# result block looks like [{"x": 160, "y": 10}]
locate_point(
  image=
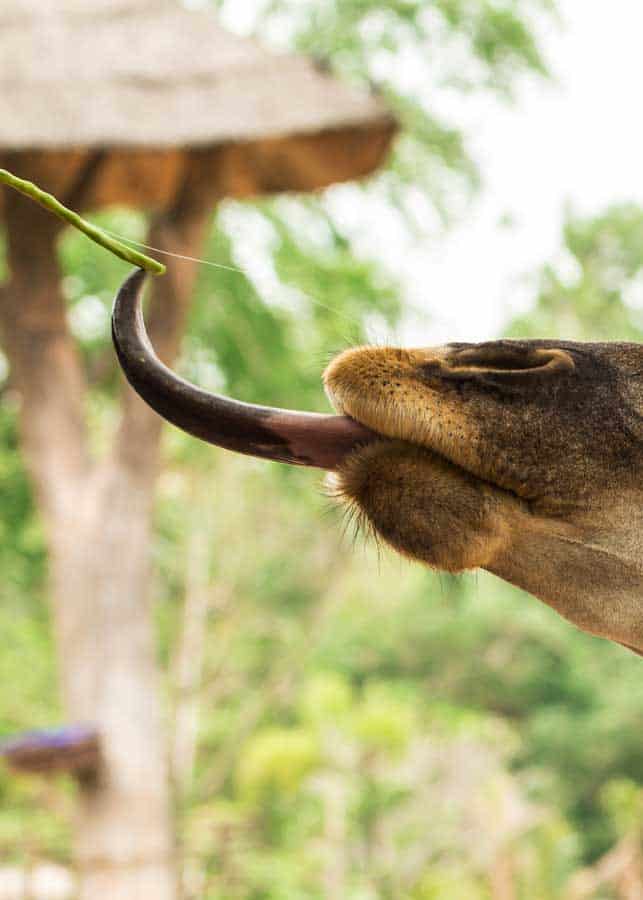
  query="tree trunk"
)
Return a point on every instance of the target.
[
  {"x": 199, "y": 598},
  {"x": 335, "y": 802},
  {"x": 124, "y": 836},
  {"x": 98, "y": 524},
  {"x": 502, "y": 879}
]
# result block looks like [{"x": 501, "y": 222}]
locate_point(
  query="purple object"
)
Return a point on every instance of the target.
[{"x": 72, "y": 748}]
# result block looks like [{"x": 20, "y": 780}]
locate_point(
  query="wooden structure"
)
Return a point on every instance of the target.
[
  {"x": 138, "y": 102},
  {"x": 131, "y": 91}
]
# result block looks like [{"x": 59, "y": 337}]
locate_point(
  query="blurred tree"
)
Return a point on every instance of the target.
[
  {"x": 621, "y": 869},
  {"x": 594, "y": 290},
  {"x": 421, "y": 54}
]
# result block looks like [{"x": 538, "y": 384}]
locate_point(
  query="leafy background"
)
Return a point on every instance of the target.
[{"x": 356, "y": 726}]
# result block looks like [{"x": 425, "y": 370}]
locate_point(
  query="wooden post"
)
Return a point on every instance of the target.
[{"x": 98, "y": 524}]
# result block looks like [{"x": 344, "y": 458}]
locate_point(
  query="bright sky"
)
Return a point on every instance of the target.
[{"x": 578, "y": 141}]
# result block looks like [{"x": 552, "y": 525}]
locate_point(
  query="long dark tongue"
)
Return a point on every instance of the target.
[{"x": 298, "y": 438}]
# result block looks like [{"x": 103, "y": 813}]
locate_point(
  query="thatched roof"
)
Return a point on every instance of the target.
[{"x": 153, "y": 74}]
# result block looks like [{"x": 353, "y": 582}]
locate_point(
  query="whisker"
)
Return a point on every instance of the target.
[{"x": 355, "y": 322}]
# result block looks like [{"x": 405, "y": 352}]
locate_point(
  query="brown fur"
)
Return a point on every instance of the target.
[{"x": 521, "y": 457}]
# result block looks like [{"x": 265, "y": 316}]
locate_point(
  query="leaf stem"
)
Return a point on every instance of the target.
[{"x": 92, "y": 231}]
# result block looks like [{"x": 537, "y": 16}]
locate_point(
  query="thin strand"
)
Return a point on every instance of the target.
[
  {"x": 208, "y": 262},
  {"x": 203, "y": 262}
]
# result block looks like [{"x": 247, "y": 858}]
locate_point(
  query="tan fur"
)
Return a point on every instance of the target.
[{"x": 521, "y": 457}]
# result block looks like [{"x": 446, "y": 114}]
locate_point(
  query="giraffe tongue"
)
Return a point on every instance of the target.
[{"x": 298, "y": 438}]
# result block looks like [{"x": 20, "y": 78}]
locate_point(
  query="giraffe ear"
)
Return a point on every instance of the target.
[{"x": 506, "y": 360}]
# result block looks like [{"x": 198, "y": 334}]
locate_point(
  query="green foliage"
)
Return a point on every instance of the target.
[
  {"x": 445, "y": 882},
  {"x": 34, "y": 822},
  {"x": 623, "y": 801},
  {"x": 22, "y": 550},
  {"x": 276, "y": 760},
  {"x": 384, "y": 722},
  {"x": 360, "y": 719},
  {"x": 594, "y": 291},
  {"x": 326, "y": 696}
]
